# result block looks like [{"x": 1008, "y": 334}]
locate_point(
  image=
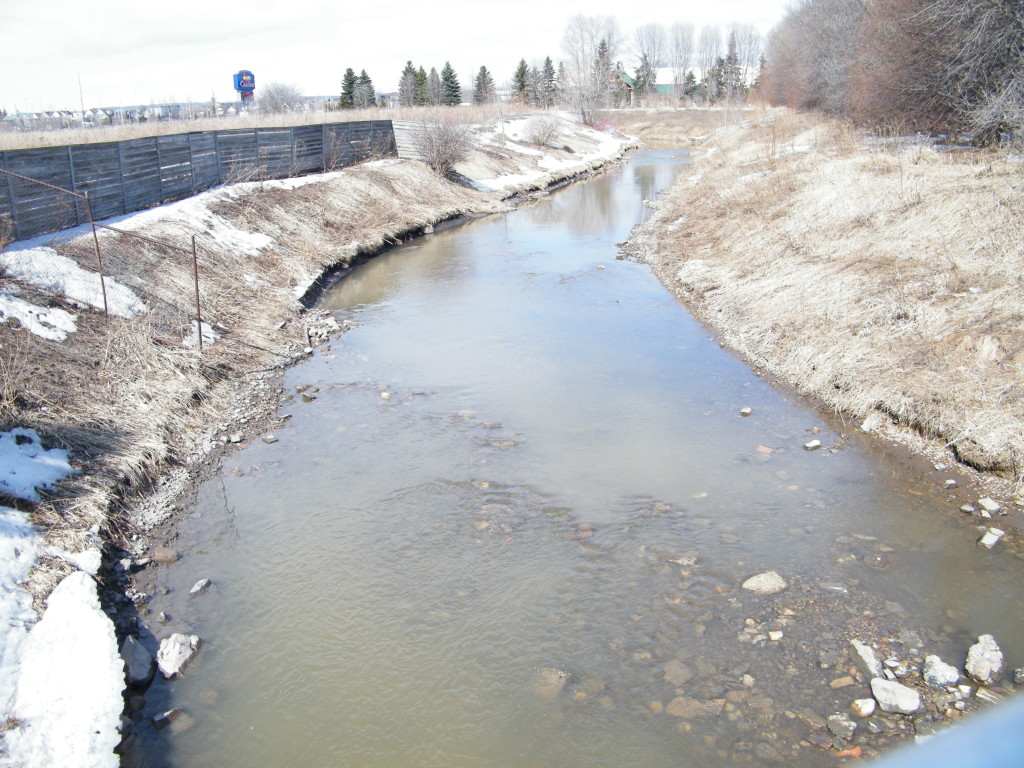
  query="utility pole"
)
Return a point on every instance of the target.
[{"x": 81, "y": 99}]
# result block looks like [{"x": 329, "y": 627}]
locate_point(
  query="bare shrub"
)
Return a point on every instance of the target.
[
  {"x": 443, "y": 144},
  {"x": 280, "y": 97},
  {"x": 541, "y": 130}
]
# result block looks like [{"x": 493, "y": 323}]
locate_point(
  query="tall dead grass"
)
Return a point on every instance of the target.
[{"x": 875, "y": 275}]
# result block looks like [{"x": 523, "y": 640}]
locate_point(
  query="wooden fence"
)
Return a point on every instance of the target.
[{"x": 124, "y": 176}]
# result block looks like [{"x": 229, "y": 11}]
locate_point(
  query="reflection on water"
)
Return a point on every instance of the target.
[{"x": 527, "y": 456}]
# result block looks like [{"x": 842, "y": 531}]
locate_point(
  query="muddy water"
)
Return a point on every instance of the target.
[{"x": 527, "y": 455}]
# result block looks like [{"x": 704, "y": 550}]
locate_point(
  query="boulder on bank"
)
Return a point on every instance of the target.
[
  {"x": 138, "y": 662},
  {"x": 939, "y": 674}
]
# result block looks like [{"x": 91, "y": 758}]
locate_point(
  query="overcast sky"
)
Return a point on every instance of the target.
[{"x": 136, "y": 52}]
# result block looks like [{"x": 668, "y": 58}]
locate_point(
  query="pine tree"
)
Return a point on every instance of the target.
[
  {"x": 365, "y": 95},
  {"x": 733, "y": 86},
  {"x": 451, "y": 91},
  {"x": 521, "y": 83},
  {"x": 433, "y": 88},
  {"x": 548, "y": 87},
  {"x": 348, "y": 89},
  {"x": 483, "y": 87},
  {"x": 407, "y": 86},
  {"x": 422, "y": 99}
]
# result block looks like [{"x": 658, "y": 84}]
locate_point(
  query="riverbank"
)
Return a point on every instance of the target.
[
  {"x": 142, "y": 415},
  {"x": 881, "y": 277}
]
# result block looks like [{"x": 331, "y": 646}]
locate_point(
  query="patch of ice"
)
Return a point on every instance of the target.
[
  {"x": 49, "y": 323},
  {"x": 68, "y": 698},
  {"x": 209, "y": 336},
  {"x": 25, "y": 465},
  {"x": 45, "y": 268}
]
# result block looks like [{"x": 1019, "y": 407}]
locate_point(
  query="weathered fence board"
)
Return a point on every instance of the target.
[{"x": 124, "y": 176}]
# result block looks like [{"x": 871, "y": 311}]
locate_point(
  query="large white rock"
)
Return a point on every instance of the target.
[
  {"x": 939, "y": 674},
  {"x": 984, "y": 661},
  {"x": 175, "y": 652},
  {"x": 894, "y": 697},
  {"x": 767, "y": 583}
]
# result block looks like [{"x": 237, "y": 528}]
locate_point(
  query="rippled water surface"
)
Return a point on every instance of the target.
[{"x": 527, "y": 455}]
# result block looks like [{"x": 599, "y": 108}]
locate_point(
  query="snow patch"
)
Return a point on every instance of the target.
[
  {"x": 68, "y": 697},
  {"x": 18, "y": 545},
  {"x": 45, "y": 268},
  {"x": 49, "y": 323},
  {"x": 25, "y": 465},
  {"x": 209, "y": 336}
]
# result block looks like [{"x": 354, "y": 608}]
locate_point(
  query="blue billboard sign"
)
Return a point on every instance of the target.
[{"x": 245, "y": 81}]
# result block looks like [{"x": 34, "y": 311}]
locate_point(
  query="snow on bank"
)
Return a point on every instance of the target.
[
  {"x": 61, "y": 678},
  {"x": 49, "y": 323},
  {"x": 45, "y": 268}
]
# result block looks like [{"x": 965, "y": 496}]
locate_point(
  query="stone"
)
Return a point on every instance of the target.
[
  {"x": 873, "y": 422},
  {"x": 863, "y": 707},
  {"x": 895, "y": 697},
  {"x": 841, "y": 682},
  {"x": 677, "y": 673},
  {"x": 1018, "y": 675},
  {"x": 199, "y": 587},
  {"x": 163, "y": 556},
  {"x": 984, "y": 661},
  {"x": 175, "y": 652},
  {"x": 813, "y": 445},
  {"x": 939, "y": 674},
  {"x": 689, "y": 709},
  {"x": 989, "y": 505},
  {"x": 866, "y": 660},
  {"x": 841, "y": 725},
  {"x": 968, "y": 508},
  {"x": 775, "y": 635},
  {"x": 747, "y": 411},
  {"x": 164, "y": 719},
  {"x": 991, "y": 538},
  {"x": 767, "y": 583},
  {"x": 138, "y": 662},
  {"x": 270, "y": 438},
  {"x": 548, "y": 682},
  {"x": 235, "y": 438}
]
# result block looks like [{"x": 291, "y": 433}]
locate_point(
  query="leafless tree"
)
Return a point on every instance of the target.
[
  {"x": 680, "y": 53},
  {"x": 280, "y": 97},
  {"x": 709, "y": 50},
  {"x": 748, "y": 50},
  {"x": 590, "y": 44}
]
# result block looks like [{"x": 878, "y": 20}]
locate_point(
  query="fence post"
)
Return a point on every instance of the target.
[
  {"x": 99, "y": 259},
  {"x": 10, "y": 193},
  {"x": 195, "y": 274}
]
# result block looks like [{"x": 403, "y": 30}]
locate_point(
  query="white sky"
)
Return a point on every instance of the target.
[{"x": 145, "y": 52}]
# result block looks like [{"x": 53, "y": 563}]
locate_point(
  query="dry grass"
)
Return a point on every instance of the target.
[
  {"x": 679, "y": 127},
  {"x": 481, "y": 113},
  {"x": 877, "y": 276}
]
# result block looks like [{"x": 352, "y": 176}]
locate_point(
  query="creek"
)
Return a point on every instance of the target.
[{"x": 528, "y": 456}]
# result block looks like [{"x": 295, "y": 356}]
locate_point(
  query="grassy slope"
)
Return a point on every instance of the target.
[{"x": 876, "y": 276}]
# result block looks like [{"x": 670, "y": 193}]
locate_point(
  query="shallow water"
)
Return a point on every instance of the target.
[{"x": 527, "y": 454}]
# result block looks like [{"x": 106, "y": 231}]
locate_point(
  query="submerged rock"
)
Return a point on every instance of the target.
[
  {"x": 991, "y": 538},
  {"x": 200, "y": 586},
  {"x": 548, "y": 682},
  {"x": 895, "y": 697},
  {"x": 984, "y": 661},
  {"x": 175, "y": 652},
  {"x": 677, "y": 673},
  {"x": 767, "y": 583},
  {"x": 841, "y": 725},
  {"x": 689, "y": 709}
]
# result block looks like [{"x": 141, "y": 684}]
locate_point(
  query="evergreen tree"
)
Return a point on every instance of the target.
[
  {"x": 732, "y": 84},
  {"x": 521, "y": 83},
  {"x": 433, "y": 88},
  {"x": 562, "y": 83},
  {"x": 348, "y": 89},
  {"x": 603, "y": 70},
  {"x": 533, "y": 88},
  {"x": 422, "y": 99},
  {"x": 364, "y": 95},
  {"x": 483, "y": 87},
  {"x": 646, "y": 79},
  {"x": 548, "y": 86},
  {"x": 407, "y": 86},
  {"x": 451, "y": 91}
]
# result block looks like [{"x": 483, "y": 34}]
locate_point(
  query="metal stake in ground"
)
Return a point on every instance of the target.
[
  {"x": 195, "y": 273},
  {"x": 99, "y": 259}
]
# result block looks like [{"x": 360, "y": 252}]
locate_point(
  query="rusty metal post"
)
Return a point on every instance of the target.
[
  {"x": 195, "y": 274},
  {"x": 99, "y": 258}
]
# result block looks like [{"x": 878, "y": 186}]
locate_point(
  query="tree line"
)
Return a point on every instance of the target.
[{"x": 938, "y": 66}]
